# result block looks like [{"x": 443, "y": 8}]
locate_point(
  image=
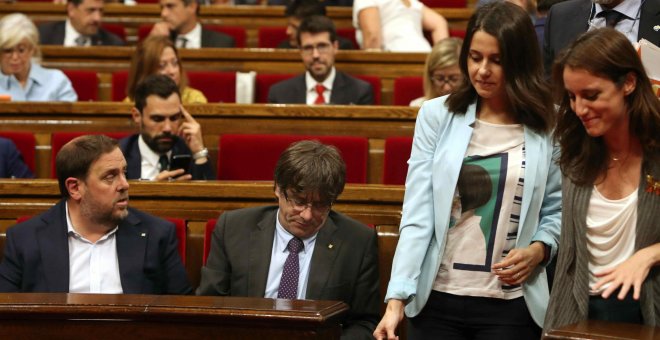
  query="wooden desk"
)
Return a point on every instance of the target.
[
  {"x": 373, "y": 122},
  {"x": 99, "y": 316},
  {"x": 598, "y": 330}
]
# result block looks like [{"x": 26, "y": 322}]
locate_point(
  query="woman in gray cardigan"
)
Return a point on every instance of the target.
[{"x": 609, "y": 252}]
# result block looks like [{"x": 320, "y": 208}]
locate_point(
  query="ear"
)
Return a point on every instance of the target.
[
  {"x": 630, "y": 83},
  {"x": 137, "y": 116},
  {"x": 74, "y": 187},
  {"x": 335, "y": 44},
  {"x": 278, "y": 192},
  {"x": 69, "y": 7}
]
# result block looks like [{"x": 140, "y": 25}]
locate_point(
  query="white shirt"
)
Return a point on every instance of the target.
[
  {"x": 93, "y": 267},
  {"x": 628, "y": 25},
  {"x": 278, "y": 257},
  {"x": 150, "y": 167},
  {"x": 194, "y": 37},
  {"x": 70, "y": 35},
  {"x": 310, "y": 84}
]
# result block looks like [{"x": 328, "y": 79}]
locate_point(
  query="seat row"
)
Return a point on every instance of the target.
[
  {"x": 220, "y": 87},
  {"x": 250, "y": 157}
]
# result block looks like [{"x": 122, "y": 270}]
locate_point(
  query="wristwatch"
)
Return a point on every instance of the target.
[{"x": 201, "y": 154}]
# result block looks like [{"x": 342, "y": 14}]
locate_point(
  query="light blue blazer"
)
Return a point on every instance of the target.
[{"x": 439, "y": 146}]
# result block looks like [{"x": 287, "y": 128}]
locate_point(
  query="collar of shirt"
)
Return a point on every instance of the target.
[
  {"x": 282, "y": 238},
  {"x": 149, "y": 164},
  {"x": 71, "y": 231},
  {"x": 194, "y": 37},
  {"x": 629, "y": 8},
  {"x": 310, "y": 84},
  {"x": 36, "y": 77},
  {"x": 70, "y": 35}
]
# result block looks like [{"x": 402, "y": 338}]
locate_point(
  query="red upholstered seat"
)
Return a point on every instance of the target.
[
  {"x": 263, "y": 82},
  {"x": 218, "y": 87},
  {"x": 26, "y": 144},
  {"x": 458, "y": 33},
  {"x": 119, "y": 83},
  {"x": 181, "y": 235},
  {"x": 445, "y": 3},
  {"x": 116, "y": 29},
  {"x": 407, "y": 88},
  {"x": 208, "y": 232},
  {"x": 58, "y": 139},
  {"x": 21, "y": 219},
  {"x": 253, "y": 157},
  {"x": 395, "y": 162},
  {"x": 238, "y": 33},
  {"x": 86, "y": 84},
  {"x": 375, "y": 86},
  {"x": 348, "y": 33},
  {"x": 270, "y": 37}
]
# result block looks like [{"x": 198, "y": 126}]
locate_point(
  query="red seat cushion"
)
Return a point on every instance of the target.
[
  {"x": 181, "y": 235},
  {"x": 395, "y": 162},
  {"x": 218, "y": 87},
  {"x": 445, "y": 3},
  {"x": 270, "y": 37},
  {"x": 58, "y": 139},
  {"x": 263, "y": 82},
  {"x": 253, "y": 157},
  {"x": 407, "y": 88},
  {"x": 119, "y": 83},
  {"x": 86, "y": 84},
  {"x": 375, "y": 86},
  {"x": 26, "y": 144},
  {"x": 116, "y": 29}
]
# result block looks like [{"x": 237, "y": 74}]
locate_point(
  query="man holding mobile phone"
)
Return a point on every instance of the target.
[{"x": 170, "y": 145}]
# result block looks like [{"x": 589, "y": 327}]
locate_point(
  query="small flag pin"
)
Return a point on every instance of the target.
[
  {"x": 143, "y": 234},
  {"x": 330, "y": 246}
]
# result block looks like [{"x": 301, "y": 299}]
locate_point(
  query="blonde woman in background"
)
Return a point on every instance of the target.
[
  {"x": 158, "y": 55},
  {"x": 442, "y": 74},
  {"x": 22, "y": 78}
]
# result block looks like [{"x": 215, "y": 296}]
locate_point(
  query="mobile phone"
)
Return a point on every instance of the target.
[{"x": 180, "y": 162}]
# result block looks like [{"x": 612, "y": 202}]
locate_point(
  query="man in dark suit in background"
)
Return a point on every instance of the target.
[
  {"x": 181, "y": 25},
  {"x": 636, "y": 19},
  {"x": 11, "y": 161},
  {"x": 301, "y": 248},
  {"x": 295, "y": 12},
  {"x": 322, "y": 83},
  {"x": 91, "y": 241},
  {"x": 81, "y": 28},
  {"x": 167, "y": 133}
]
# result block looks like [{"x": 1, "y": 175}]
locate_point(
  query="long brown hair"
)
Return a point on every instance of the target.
[
  {"x": 146, "y": 61},
  {"x": 608, "y": 54},
  {"x": 520, "y": 58}
]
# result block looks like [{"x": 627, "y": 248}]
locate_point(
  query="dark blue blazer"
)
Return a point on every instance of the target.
[
  {"x": 129, "y": 146},
  {"x": 11, "y": 161},
  {"x": 36, "y": 256}
]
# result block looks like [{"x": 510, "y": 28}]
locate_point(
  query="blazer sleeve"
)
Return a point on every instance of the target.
[
  {"x": 550, "y": 214},
  {"x": 366, "y": 95},
  {"x": 11, "y": 268},
  {"x": 216, "y": 274}
]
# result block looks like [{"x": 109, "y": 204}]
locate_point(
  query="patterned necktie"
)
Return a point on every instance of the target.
[
  {"x": 164, "y": 162},
  {"x": 181, "y": 42},
  {"x": 612, "y": 17},
  {"x": 81, "y": 40},
  {"x": 289, "y": 281},
  {"x": 320, "y": 100}
]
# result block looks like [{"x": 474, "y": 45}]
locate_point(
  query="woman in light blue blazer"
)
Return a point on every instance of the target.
[{"x": 481, "y": 213}]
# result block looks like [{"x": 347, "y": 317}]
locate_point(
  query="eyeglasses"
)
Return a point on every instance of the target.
[
  {"x": 452, "y": 80},
  {"x": 323, "y": 48},
  {"x": 299, "y": 205},
  {"x": 20, "y": 50}
]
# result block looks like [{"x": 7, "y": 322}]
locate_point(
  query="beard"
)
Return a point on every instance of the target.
[
  {"x": 161, "y": 143},
  {"x": 93, "y": 211}
]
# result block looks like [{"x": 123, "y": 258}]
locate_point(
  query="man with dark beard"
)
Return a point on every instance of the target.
[
  {"x": 167, "y": 133},
  {"x": 91, "y": 241}
]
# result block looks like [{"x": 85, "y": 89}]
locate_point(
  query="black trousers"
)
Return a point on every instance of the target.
[
  {"x": 612, "y": 309},
  {"x": 448, "y": 316}
]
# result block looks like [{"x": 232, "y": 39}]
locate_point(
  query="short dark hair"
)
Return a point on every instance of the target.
[
  {"x": 155, "y": 84},
  {"x": 317, "y": 24},
  {"x": 304, "y": 8},
  {"x": 310, "y": 167},
  {"x": 524, "y": 82},
  {"x": 76, "y": 157},
  {"x": 75, "y": 2}
]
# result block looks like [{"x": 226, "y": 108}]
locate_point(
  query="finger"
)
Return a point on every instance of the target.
[
  {"x": 624, "y": 291},
  {"x": 186, "y": 116},
  {"x": 609, "y": 290},
  {"x": 185, "y": 177},
  {"x": 637, "y": 290}
]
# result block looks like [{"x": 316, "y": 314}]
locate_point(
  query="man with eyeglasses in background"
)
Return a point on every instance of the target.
[
  {"x": 81, "y": 28},
  {"x": 300, "y": 248},
  {"x": 565, "y": 22},
  {"x": 322, "y": 83}
]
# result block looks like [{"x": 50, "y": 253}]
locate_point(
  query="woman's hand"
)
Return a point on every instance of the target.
[
  {"x": 519, "y": 263},
  {"x": 630, "y": 273},
  {"x": 387, "y": 325}
]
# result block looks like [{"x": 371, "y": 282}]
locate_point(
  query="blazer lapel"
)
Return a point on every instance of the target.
[
  {"x": 261, "y": 241},
  {"x": 53, "y": 243},
  {"x": 131, "y": 247},
  {"x": 326, "y": 248}
]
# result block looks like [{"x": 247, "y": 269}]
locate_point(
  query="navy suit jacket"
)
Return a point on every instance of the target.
[
  {"x": 567, "y": 20},
  {"x": 11, "y": 161},
  {"x": 52, "y": 33},
  {"x": 344, "y": 265},
  {"x": 36, "y": 256},
  {"x": 345, "y": 90},
  {"x": 129, "y": 146}
]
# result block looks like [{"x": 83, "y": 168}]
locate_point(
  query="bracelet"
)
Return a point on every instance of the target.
[{"x": 203, "y": 153}]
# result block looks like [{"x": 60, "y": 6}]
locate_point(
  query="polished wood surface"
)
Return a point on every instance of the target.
[
  {"x": 78, "y": 316},
  {"x": 599, "y": 330},
  {"x": 373, "y": 122}
]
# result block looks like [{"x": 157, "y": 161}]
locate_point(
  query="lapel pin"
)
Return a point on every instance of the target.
[
  {"x": 143, "y": 234},
  {"x": 652, "y": 185},
  {"x": 656, "y": 28},
  {"x": 330, "y": 246}
]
